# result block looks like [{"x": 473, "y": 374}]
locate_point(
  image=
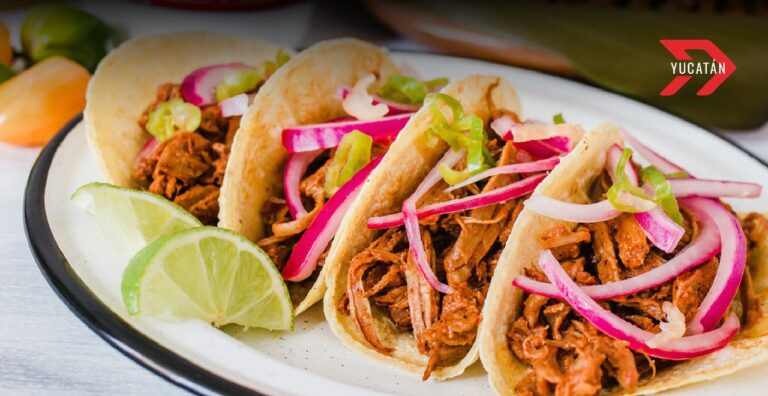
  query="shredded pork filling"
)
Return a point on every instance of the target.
[
  {"x": 188, "y": 168},
  {"x": 282, "y": 232},
  {"x": 462, "y": 249},
  {"x": 566, "y": 355}
]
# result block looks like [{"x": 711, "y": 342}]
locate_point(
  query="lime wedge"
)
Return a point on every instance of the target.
[
  {"x": 131, "y": 218},
  {"x": 210, "y": 274}
]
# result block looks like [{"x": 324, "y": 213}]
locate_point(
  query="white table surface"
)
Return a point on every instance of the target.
[{"x": 44, "y": 348}]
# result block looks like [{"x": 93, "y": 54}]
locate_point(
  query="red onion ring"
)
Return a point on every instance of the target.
[
  {"x": 328, "y": 135},
  {"x": 612, "y": 162},
  {"x": 509, "y": 129},
  {"x": 199, "y": 87},
  {"x": 503, "y": 127},
  {"x": 662, "y": 164},
  {"x": 660, "y": 229},
  {"x": 554, "y": 146},
  {"x": 714, "y": 188},
  {"x": 499, "y": 195},
  {"x": 411, "y": 221},
  {"x": 528, "y": 167},
  {"x": 612, "y": 325},
  {"x": 730, "y": 270},
  {"x": 523, "y": 156},
  {"x": 234, "y": 106},
  {"x": 321, "y": 231},
  {"x": 295, "y": 168},
  {"x": 567, "y": 211},
  {"x": 706, "y": 246}
]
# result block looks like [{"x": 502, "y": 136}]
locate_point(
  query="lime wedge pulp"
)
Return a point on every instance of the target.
[
  {"x": 131, "y": 218},
  {"x": 211, "y": 274}
]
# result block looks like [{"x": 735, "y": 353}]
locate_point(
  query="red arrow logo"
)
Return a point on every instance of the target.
[{"x": 679, "y": 49}]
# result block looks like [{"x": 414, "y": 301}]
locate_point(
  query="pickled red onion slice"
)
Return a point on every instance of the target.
[
  {"x": 662, "y": 164},
  {"x": 411, "y": 220},
  {"x": 637, "y": 339},
  {"x": 528, "y": 167},
  {"x": 714, "y": 188},
  {"x": 321, "y": 231},
  {"x": 295, "y": 168},
  {"x": 730, "y": 270},
  {"x": 313, "y": 137},
  {"x": 701, "y": 250},
  {"x": 499, "y": 195},
  {"x": 660, "y": 229},
  {"x": 567, "y": 211},
  {"x": 234, "y": 106},
  {"x": 199, "y": 87}
]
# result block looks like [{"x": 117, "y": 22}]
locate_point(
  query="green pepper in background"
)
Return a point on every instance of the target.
[
  {"x": 53, "y": 29},
  {"x": 353, "y": 153},
  {"x": 619, "y": 49},
  {"x": 6, "y": 73}
]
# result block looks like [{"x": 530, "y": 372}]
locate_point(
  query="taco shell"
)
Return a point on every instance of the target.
[
  {"x": 406, "y": 163},
  {"x": 126, "y": 80},
  {"x": 570, "y": 181},
  {"x": 303, "y": 91}
]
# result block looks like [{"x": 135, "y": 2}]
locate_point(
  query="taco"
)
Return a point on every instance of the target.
[
  {"x": 626, "y": 279},
  {"x": 162, "y": 112},
  {"x": 411, "y": 296},
  {"x": 306, "y": 145}
]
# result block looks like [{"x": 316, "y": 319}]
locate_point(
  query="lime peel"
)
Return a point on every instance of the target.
[{"x": 164, "y": 277}]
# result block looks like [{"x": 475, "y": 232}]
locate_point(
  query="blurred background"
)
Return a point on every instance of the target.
[{"x": 612, "y": 44}]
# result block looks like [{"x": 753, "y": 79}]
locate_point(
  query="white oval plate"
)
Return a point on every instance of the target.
[{"x": 203, "y": 359}]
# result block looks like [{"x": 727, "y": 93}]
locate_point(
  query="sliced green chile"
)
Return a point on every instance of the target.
[
  {"x": 464, "y": 132},
  {"x": 352, "y": 154},
  {"x": 663, "y": 193},
  {"x": 173, "y": 116}
]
